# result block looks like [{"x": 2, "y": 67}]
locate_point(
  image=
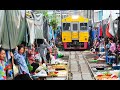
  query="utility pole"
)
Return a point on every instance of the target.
[
  {"x": 61, "y": 17},
  {"x": 119, "y": 13},
  {"x": 87, "y": 13},
  {"x": 93, "y": 16}
]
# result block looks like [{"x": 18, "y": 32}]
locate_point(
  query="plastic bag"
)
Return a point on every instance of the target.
[
  {"x": 41, "y": 73},
  {"x": 93, "y": 50},
  {"x": 52, "y": 59},
  {"x": 15, "y": 69},
  {"x": 39, "y": 69},
  {"x": 60, "y": 54},
  {"x": 38, "y": 58}
]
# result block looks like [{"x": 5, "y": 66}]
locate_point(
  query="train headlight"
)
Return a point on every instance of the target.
[{"x": 75, "y": 16}]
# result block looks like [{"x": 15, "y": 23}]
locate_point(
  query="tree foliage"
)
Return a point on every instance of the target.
[{"x": 54, "y": 22}]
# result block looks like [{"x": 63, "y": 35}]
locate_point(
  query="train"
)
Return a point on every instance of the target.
[{"x": 75, "y": 33}]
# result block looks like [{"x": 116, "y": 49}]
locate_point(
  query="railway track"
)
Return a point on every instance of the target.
[
  {"x": 90, "y": 69},
  {"x": 78, "y": 55}
]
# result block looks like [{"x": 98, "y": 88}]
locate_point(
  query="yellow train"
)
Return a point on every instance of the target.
[{"x": 75, "y": 34}]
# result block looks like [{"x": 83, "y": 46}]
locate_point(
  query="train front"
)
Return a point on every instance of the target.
[{"x": 75, "y": 32}]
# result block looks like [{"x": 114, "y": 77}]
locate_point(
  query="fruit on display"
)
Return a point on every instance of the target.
[
  {"x": 53, "y": 74},
  {"x": 106, "y": 76},
  {"x": 59, "y": 66},
  {"x": 62, "y": 73}
]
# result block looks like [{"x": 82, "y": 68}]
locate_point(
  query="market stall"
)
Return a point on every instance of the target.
[
  {"x": 101, "y": 70},
  {"x": 58, "y": 71}
]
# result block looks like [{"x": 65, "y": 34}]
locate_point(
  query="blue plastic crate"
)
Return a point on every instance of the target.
[{"x": 116, "y": 67}]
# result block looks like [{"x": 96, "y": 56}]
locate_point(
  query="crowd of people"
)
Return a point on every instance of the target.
[
  {"x": 23, "y": 57},
  {"x": 110, "y": 47}
]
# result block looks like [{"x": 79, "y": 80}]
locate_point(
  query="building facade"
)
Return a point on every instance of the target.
[{"x": 100, "y": 15}]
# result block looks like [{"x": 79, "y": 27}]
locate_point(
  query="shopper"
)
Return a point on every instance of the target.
[
  {"x": 97, "y": 43},
  {"x": 112, "y": 46},
  {"x": 42, "y": 47}
]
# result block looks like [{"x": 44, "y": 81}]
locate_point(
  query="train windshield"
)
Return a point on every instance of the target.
[
  {"x": 75, "y": 27},
  {"x": 66, "y": 26},
  {"x": 83, "y": 26}
]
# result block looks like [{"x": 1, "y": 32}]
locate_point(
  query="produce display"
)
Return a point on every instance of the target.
[
  {"x": 56, "y": 69},
  {"x": 62, "y": 73},
  {"x": 30, "y": 67},
  {"x": 110, "y": 75},
  {"x": 101, "y": 70},
  {"x": 61, "y": 67},
  {"x": 93, "y": 61},
  {"x": 53, "y": 74}
]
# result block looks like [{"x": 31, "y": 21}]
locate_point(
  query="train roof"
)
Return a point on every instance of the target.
[{"x": 75, "y": 19}]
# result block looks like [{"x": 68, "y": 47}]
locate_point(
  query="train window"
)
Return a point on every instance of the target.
[
  {"x": 66, "y": 26},
  {"x": 83, "y": 26},
  {"x": 75, "y": 27}
]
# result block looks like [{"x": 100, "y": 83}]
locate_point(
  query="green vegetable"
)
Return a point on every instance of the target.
[
  {"x": 94, "y": 61},
  {"x": 30, "y": 67}
]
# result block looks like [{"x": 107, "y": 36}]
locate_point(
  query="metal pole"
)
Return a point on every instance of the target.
[
  {"x": 87, "y": 13},
  {"x": 119, "y": 12},
  {"x": 61, "y": 17},
  {"x": 93, "y": 16},
  {"x": 25, "y": 30},
  {"x": 9, "y": 39}
]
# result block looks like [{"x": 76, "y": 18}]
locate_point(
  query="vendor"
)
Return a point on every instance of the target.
[
  {"x": 112, "y": 52},
  {"x": 118, "y": 48},
  {"x": 19, "y": 57},
  {"x": 32, "y": 61},
  {"x": 3, "y": 64},
  {"x": 112, "y": 46}
]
